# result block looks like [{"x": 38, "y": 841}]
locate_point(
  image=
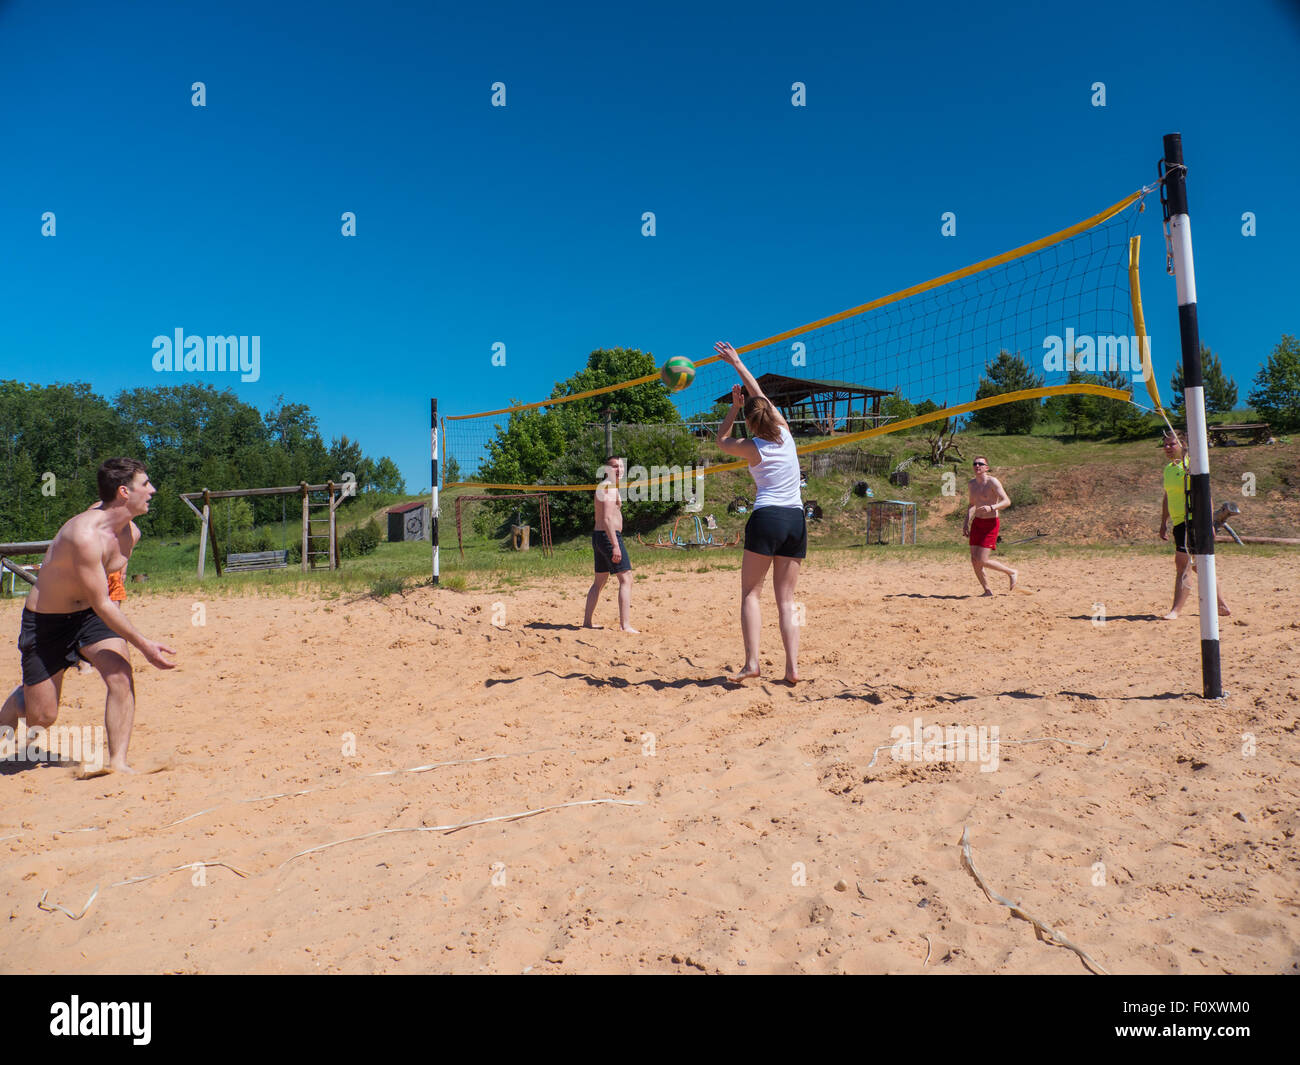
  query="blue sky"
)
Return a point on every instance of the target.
[{"x": 522, "y": 224}]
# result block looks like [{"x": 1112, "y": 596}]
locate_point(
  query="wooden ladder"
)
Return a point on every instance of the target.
[{"x": 318, "y": 543}]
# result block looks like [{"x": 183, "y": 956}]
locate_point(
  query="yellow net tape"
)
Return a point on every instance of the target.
[{"x": 1140, "y": 327}]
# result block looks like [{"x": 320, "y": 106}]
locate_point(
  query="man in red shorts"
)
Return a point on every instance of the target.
[{"x": 987, "y": 497}]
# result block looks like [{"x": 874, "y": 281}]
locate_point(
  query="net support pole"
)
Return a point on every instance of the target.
[
  {"x": 433, "y": 470},
  {"x": 1200, "y": 520}
]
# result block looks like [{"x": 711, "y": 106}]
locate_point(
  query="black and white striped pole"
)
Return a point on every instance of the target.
[
  {"x": 433, "y": 467},
  {"x": 1200, "y": 522}
]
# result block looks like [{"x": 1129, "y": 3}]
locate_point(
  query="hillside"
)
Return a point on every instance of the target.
[{"x": 1079, "y": 493}]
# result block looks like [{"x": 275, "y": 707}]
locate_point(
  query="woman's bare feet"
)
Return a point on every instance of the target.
[
  {"x": 1013, "y": 575},
  {"x": 628, "y": 628},
  {"x": 748, "y": 673}
]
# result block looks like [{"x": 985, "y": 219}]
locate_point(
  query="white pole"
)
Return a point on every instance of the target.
[
  {"x": 433, "y": 467},
  {"x": 1200, "y": 520}
]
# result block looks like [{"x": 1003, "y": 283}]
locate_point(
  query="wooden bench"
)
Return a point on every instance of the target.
[
  {"x": 1222, "y": 435},
  {"x": 250, "y": 560}
]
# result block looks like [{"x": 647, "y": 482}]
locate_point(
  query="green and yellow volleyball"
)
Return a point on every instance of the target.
[{"x": 678, "y": 372}]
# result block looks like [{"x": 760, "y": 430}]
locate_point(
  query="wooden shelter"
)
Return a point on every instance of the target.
[{"x": 803, "y": 399}]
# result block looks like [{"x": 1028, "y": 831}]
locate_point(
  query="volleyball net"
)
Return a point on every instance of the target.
[{"x": 1059, "y": 316}]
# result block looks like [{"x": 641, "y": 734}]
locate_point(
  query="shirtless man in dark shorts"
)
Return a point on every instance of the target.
[
  {"x": 70, "y": 615},
  {"x": 987, "y": 497},
  {"x": 607, "y": 545}
]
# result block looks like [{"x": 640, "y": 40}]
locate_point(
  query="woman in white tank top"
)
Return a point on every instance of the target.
[{"x": 776, "y": 534}]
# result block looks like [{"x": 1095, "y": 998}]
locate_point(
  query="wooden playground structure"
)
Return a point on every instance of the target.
[
  {"x": 319, "y": 531},
  {"x": 701, "y": 537},
  {"x": 12, "y": 571}
]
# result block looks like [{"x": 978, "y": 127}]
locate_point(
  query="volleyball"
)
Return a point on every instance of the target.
[{"x": 678, "y": 372}]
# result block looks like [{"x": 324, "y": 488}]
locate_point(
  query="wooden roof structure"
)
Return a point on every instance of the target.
[{"x": 823, "y": 397}]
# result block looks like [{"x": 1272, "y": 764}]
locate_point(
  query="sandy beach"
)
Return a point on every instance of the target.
[{"x": 726, "y": 828}]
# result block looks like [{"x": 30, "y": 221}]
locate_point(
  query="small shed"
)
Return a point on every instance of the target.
[{"x": 408, "y": 521}]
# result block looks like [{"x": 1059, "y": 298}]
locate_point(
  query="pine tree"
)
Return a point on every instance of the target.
[
  {"x": 1008, "y": 373},
  {"x": 1276, "y": 396},
  {"x": 1220, "y": 389}
]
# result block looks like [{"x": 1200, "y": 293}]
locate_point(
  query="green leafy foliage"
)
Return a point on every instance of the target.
[
  {"x": 1220, "y": 389},
  {"x": 1276, "y": 395},
  {"x": 1116, "y": 417},
  {"x": 1008, "y": 373},
  {"x": 565, "y": 444},
  {"x": 189, "y": 436},
  {"x": 1077, "y": 412},
  {"x": 897, "y": 407},
  {"x": 360, "y": 541}
]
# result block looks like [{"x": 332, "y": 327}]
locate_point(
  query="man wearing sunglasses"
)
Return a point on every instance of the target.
[{"x": 987, "y": 497}]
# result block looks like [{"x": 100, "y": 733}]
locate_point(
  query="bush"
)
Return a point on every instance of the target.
[
  {"x": 360, "y": 541},
  {"x": 382, "y": 587},
  {"x": 1023, "y": 493},
  {"x": 248, "y": 540}
]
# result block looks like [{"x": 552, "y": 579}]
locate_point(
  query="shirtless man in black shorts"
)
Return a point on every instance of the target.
[
  {"x": 607, "y": 545},
  {"x": 69, "y": 615}
]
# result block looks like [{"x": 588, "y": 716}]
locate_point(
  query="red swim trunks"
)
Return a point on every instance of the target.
[{"x": 984, "y": 533}]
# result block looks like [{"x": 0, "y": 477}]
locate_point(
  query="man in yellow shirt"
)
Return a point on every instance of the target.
[{"x": 1174, "y": 510}]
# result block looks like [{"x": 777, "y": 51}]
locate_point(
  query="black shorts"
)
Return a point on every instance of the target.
[
  {"x": 780, "y": 531},
  {"x": 1180, "y": 538},
  {"x": 604, "y": 551},
  {"x": 49, "y": 643}
]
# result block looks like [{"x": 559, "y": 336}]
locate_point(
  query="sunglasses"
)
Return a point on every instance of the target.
[{"x": 979, "y": 464}]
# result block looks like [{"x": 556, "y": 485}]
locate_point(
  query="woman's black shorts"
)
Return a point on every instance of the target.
[
  {"x": 780, "y": 531},
  {"x": 1180, "y": 538}
]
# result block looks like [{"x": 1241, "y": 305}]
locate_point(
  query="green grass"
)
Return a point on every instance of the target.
[{"x": 1127, "y": 472}]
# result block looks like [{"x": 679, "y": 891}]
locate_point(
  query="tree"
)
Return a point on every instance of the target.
[
  {"x": 1077, "y": 411},
  {"x": 189, "y": 437},
  {"x": 387, "y": 477},
  {"x": 346, "y": 457},
  {"x": 897, "y": 407},
  {"x": 1117, "y": 417},
  {"x": 1220, "y": 389},
  {"x": 534, "y": 440},
  {"x": 1008, "y": 373},
  {"x": 450, "y": 470},
  {"x": 565, "y": 444},
  {"x": 1276, "y": 396}
]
